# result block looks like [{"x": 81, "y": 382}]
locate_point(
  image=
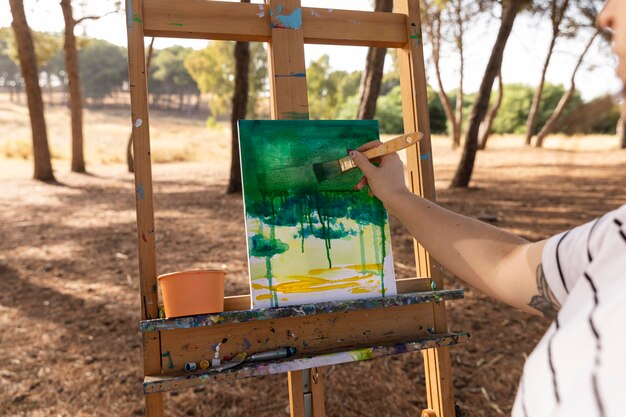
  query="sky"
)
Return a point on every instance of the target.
[{"x": 523, "y": 58}]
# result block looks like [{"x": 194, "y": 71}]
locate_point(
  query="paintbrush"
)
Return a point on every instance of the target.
[
  {"x": 326, "y": 170},
  {"x": 303, "y": 178}
]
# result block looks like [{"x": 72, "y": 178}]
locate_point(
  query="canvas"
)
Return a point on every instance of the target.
[{"x": 311, "y": 241}]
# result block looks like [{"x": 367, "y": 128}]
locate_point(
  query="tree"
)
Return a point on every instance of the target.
[
  {"x": 170, "y": 72},
  {"x": 73, "y": 82},
  {"x": 28, "y": 65},
  {"x": 621, "y": 132},
  {"x": 549, "y": 126},
  {"x": 463, "y": 174},
  {"x": 389, "y": 112},
  {"x": 9, "y": 69},
  {"x": 212, "y": 69},
  {"x": 47, "y": 46},
  {"x": 373, "y": 75},
  {"x": 240, "y": 103},
  {"x": 446, "y": 19},
  {"x": 487, "y": 124},
  {"x": 103, "y": 69},
  {"x": 558, "y": 8}
]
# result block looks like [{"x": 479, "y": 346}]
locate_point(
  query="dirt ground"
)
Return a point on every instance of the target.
[{"x": 69, "y": 305}]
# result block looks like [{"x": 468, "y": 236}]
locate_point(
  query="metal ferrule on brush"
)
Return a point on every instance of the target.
[{"x": 346, "y": 163}]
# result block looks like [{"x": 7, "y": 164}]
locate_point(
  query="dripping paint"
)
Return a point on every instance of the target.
[{"x": 310, "y": 241}]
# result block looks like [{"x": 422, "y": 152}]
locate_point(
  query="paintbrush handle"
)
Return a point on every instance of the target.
[{"x": 394, "y": 145}]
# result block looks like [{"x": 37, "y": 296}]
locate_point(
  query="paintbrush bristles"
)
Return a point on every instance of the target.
[{"x": 326, "y": 170}]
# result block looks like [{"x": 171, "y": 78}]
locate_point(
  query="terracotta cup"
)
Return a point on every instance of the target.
[{"x": 188, "y": 293}]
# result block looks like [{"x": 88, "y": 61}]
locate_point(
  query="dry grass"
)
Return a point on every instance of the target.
[
  {"x": 179, "y": 139},
  {"x": 106, "y": 132}
]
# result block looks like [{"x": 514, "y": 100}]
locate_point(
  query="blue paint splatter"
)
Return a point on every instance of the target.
[
  {"x": 291, "y": 21},
  {"x": 291, "y": 74},
  {"x": 425, "y": 156},
  {"x": 247, "y": 343},
  {"x": 140, "y": 193}
]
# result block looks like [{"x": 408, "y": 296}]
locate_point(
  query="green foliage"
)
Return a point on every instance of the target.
[
  {"x": 598, "y": 116},
  {"x": 168, "y": 73},
  {"x": 516, "y": 104},
  {"x": 389, "y": 112},
  {"x": 9, "y": 70},
  {"x": 103, "y": 68},
  {"x": 213, "y": 68},
  {"x": 46, "y": 44}
]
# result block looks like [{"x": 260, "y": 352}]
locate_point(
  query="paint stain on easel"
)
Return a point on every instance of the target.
[
  {"x": 247, "y": 343},
  {"x": 417, "y": 34},
  {"x": 287, "y": 21},
  {"x": 293, "y": 115},
  {"x": 176, "y": 24},
  {"x": 169, "y": 356},
  {"x": 137, "y": 19},
  {"x": 291, "y": 74},
  {"x": 425, "y": 156},
  {"x": 261, "y": 12},
  {"x": 138, "y": 123},
  {"x": 140, "y": 194}
]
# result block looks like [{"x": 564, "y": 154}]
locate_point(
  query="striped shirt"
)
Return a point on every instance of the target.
[{"x": 579, "y": 366}]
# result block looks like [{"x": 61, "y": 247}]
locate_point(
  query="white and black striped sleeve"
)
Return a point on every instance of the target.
[{"x": 567, "y": 255}]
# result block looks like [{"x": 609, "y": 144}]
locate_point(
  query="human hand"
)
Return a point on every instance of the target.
[{"x": 386, "y": 181}]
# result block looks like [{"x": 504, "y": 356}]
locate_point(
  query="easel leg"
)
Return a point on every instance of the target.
[
  {"x": 154, "y": 405},
  {"x": 439, "y": 381},
  {"x": 306, "y": 393}
]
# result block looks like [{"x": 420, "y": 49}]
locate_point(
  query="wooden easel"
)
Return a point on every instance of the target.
[{"x": 328, "y": 333}]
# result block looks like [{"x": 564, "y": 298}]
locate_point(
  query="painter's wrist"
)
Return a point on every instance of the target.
[{"x": 395, "y": 201}]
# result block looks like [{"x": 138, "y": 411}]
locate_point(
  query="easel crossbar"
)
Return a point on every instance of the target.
[
  {"x": 303, "y": 310},
  {"x": 161, "y": 383},
  {"x": 199, "y": 19}
]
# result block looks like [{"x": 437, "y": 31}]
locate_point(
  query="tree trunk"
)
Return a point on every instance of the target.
[
  {"x": 443, "y": 97},
  {"x": 459, "y": 93},
  {"x": 240, "y": 103},
  {"x": 485, "y": 126},
  {"x": 73, "y": 83},
  {"x": 130, "y": 163},
  {"x": 556, "y": 16},
  {"x": 564, "y": 101},
  {"x": 28, "y": 65},
  {"x": 466, "y": 165},
  {"x": 373, "y": 74},
  {"x": 621, "y": 132},
  {"x": 534, "y": 107}
]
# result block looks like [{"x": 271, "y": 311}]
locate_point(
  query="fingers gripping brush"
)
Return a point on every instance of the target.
[{"x": 326, "y": 170}]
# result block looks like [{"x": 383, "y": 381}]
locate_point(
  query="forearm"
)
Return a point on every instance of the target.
[{"x": 498, "y": 263}]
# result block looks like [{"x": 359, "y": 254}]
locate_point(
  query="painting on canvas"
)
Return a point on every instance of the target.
[{"x": 311, "y": 241}]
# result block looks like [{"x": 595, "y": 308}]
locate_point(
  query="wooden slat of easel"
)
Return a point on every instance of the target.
[
  {"x": 325, "y": 26},
  {"x": 421, "y": 174},
  {"x": 289, "y": 100},
  {"x": 251, "y": 22},
  {"x": 143, "y": 195}
]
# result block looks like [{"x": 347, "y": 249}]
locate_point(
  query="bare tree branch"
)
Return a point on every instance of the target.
[{"x": 82, "y": 19}]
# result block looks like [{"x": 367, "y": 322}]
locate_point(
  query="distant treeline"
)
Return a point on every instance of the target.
[{"x": 180, "y": 79}]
